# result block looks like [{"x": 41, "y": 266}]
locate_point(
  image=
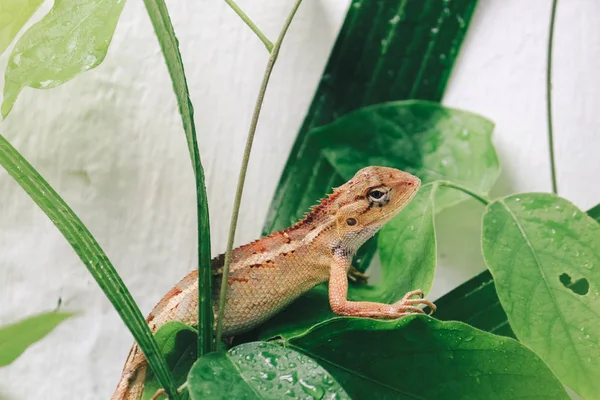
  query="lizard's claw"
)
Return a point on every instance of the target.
[
  {"x": 407, "y": 305},
  {"x": 355, "y": 276}
]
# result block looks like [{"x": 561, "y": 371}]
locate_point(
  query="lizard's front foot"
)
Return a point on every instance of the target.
[{"x": 408, "y": 305}]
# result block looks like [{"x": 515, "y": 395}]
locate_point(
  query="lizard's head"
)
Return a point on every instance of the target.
[{"x": 370, "y": 199}]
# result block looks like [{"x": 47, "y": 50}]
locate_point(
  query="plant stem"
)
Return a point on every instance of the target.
[
  {"x": 549, "y": 97},
  {"x": 250, "y": 24},
  {"x": 244, "y": 168},
  {"x": 482, "y": 199}
]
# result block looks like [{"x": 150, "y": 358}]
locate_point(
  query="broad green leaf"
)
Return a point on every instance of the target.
[
  {"x": 72, "y": 38},
  {"x": 15, "y": 338},
  {"x": 544, "y": 254},
  {"x": 159, "y": 15},
  {"x": 405, "y": 50},
  {"x": 421, "y": 137},
  {"x": 260, "y": 370},
  {"x": 90, "y": 253},
  {"x": 178, "y": 343},
  {"x": 417, "y": 357},
  {"x": 13, "y": 15}
]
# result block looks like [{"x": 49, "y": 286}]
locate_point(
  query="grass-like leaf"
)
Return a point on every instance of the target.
[
  {"x": 13, "y": 15},
  {"x": 260, "y": 370},
  {"x": 90, "y": 252},
  {"x": 544, "y": 254},
  {"x": 72, "y": 38},
  {"x": 15, "y": 338},
  {"x": 157, "y": 10},
  {"x": 417, "y": 357}
]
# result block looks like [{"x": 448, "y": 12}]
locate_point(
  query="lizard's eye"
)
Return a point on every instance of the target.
[{"x": 379, "y": 195}]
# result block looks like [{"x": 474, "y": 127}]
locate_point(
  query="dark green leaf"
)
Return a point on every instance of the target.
[
  {"x": 159, "y": 15},
  {"x": 417, "y": 357},
  {"x": 595, "y": 213},
  {"x": 178, "y": 343},
  {"x": 13, "y": 15},
  {"x": 260, "y": 370},
  {"x": 15, "y": 338},
  {"x": 476, "y": 303},
  {"x": 544, "y": 254},
  {"x": 90, "y": 253},
  {"x": 385, "y": 51},
  {"x": 72, "y": 38}
]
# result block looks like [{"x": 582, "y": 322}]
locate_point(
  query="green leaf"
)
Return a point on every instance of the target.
[
  {"x": 544, "y": 254},
  {"x": 417, "y": 357},
  {"x": 406, "y": 50},
  {"x": 178, "y": 343},
  {"x": 72, "y": 38},
  {"x": 421, "y": 137},
  {"x": 90, "y": 253},
  {"x": 260, "y": 370},
  {"x": 159, "y": 15},
  {"x": 13, "y": 15},
  {"x": 594, "y": 212},
  {"x": 407, "y": 249},
  {"x": 15, "y": 338}
]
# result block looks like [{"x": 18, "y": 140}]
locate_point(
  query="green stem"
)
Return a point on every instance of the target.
[
  {"x": 250, "y": 24},
  {"x": 244, "y": 167},
  {"x": 482, "y": 199},
  {"x": 549, "y": 97},
  {"x": 91, "y": 254}
]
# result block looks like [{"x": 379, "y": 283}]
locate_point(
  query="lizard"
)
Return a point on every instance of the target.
[{"x": 268, "y": 274}]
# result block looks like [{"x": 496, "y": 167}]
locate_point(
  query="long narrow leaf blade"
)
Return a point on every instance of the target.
[
  {"x": 157, "y": 10},
  {"x": 90, "y": 252}
]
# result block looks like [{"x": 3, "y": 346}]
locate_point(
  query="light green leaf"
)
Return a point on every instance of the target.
[
  {"x": 417, "y": 357},
  {"x": 407, "y": 249},
  {"x": 544, "y": 254},
  {"x": 72, "y": 38},
  {"x": 13, "y": 15},
  {"x": 421, "y": 137},
  {"x": 15, "y": 338},
  {"x": 260, "y": 370}
]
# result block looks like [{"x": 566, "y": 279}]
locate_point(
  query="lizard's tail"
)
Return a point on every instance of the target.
[{"x": 131, "y": 385}]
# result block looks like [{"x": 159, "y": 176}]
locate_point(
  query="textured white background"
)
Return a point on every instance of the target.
[{"x": 111, "y": 143}]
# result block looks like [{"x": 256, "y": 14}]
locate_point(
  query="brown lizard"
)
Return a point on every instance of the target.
[{"x": 268, "y": 274}]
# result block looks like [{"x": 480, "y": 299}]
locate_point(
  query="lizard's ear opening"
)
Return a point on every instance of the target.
[{"x": 347, "y": 220}]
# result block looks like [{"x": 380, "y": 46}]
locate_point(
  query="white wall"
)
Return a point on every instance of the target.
[{"x": 111, "y": 143}]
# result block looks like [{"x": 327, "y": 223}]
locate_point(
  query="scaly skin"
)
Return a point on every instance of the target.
[{"x": 268, "y": 274}]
